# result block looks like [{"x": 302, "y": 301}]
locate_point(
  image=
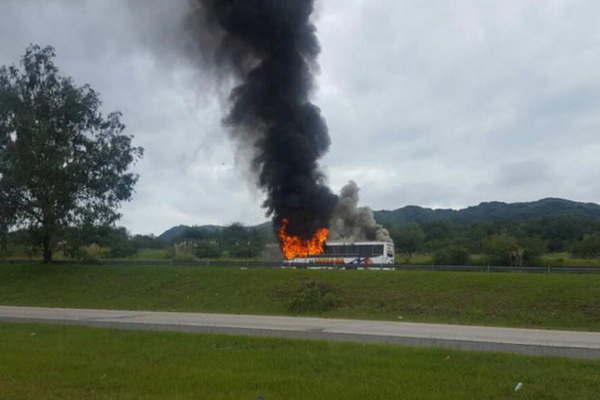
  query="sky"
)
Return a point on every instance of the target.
[{"x": 438, "y": 103}]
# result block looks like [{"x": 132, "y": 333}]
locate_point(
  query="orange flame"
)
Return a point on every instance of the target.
[{"x": 294, "y": 246}]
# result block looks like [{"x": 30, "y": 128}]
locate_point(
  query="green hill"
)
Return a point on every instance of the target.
[
  {"x": 494, "y": 211},
  {"x": 181, "y": 232},
  {"x": 490, "y": 212}
]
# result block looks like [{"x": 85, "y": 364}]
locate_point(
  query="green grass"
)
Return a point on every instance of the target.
[
  {"x": 478, "y": 259},
  {"x": 501, "y": 299},
  {"x": 415, "y": 259},
  {"x": 550, "y": 259},
  {"x": 56, "y": 362},
  {"x": 568, "y": 260},
  {"x": 152, "y": 254},
  {"x": 428, "y": 259}
]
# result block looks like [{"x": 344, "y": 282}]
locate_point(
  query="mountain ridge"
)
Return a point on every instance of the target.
[{"x": 490, "y": 211}]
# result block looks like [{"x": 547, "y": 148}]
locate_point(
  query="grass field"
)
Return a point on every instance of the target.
[
  {"x": 568, "y": 260},
  {"x": 549, "y": 259},
  {"x": 152, "y": 254},
  {"x": 54, "y": 362},
  {"x": 414, "y": 259},
  {"x": 502, "y": 299}
]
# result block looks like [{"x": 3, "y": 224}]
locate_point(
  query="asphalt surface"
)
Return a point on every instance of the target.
[{"x": 574, "y": 344}]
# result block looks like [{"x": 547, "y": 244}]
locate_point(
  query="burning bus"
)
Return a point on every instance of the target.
[
  {"x": 358, "y": 253},
  {"x": 319, "y": 250}
]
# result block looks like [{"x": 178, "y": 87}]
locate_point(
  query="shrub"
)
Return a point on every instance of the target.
[
  {"x": 508, "y": 250},
  {"x": 453, "y": 255},
  {"x": 183, "y": 255},
  {"x": 122, "y": 249},
  {"x": 6, "y": 251},
  {"x": 93, "y": 252},
  {"x": 313, "y": 296},
  {"x": 207, "y": 249}
]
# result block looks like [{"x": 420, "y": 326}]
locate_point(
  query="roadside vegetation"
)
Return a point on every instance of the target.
[
  {"x": 501, "y": 299},
  {"x": 561, "y": 259},
  {"x": 237, "y": 242},
  {"x": 559, "y": 240},
  {"x": 93, "y": 243},
  {"x": 53, "y": 362},
  {"x": 555, "y": 241}
]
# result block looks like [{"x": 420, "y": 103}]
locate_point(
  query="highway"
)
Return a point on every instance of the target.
[{"x": 574, "y": 344}]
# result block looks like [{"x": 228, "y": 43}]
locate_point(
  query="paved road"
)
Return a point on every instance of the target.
[{"x": 527, "y": 341}]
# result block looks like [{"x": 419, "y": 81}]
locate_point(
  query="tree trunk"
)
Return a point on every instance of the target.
[
  {"x": 47, "y": 250},
  {"x": 4, "y": 240}
]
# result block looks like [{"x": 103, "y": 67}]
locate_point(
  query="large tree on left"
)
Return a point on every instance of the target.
[{"x": 62, "y": 162}]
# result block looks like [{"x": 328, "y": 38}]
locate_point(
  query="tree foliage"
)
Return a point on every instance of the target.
[
  {"x": 588, "y": 247},
  {"x": 409, "y": 240},
  {"x": 451, "y": 255},
  {"x": 62, "y": 162},
  {"x": 504, "y": 249}
]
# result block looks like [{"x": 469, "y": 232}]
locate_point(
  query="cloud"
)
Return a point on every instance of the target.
[
  {"x": 440, "y": 103},
  {"x": 524, "y": 173}
]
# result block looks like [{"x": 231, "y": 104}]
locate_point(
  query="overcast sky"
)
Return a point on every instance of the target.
[{"x": 437, "y": 103}]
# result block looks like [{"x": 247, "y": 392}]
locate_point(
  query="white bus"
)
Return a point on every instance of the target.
[{"x": 357, "y": 253}]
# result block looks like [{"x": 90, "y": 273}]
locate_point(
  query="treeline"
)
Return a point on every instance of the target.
[
  {"x": 97, "y": 242},
  {"x": 500, "y": 242},
  {"x": 82, "y": 243},
  {"x": 445, "y": 242},
  {"x": 235, "y": 241}
]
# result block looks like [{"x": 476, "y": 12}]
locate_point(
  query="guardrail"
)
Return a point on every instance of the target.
[{"x": 280, "y": 264}]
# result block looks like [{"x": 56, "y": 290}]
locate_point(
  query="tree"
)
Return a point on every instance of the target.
[
  {"x": 62, "y": 162},
  {"x": 207, "y": 249},
  {"x": 451, "y": 255},
  {"x": 409, "y": 240},
  {"x": 533, "y": 248},
  {"x": 508, "y": 250},
  {"x": 8, "y": 209},
  {"x": 148, "y": 242},
  {"x": 588, "y": 247},
  {"x": 120, "y": 244},
  {"x": 242, "y": 242}
]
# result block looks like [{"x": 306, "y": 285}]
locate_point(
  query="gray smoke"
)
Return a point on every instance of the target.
[{"x": 353, "y": 223}]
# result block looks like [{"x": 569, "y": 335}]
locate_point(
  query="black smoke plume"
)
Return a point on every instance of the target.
[{"x": 270, "y": 47}]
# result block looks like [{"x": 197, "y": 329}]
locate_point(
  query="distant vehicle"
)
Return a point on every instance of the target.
[{"x": 357, "y": 253}]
